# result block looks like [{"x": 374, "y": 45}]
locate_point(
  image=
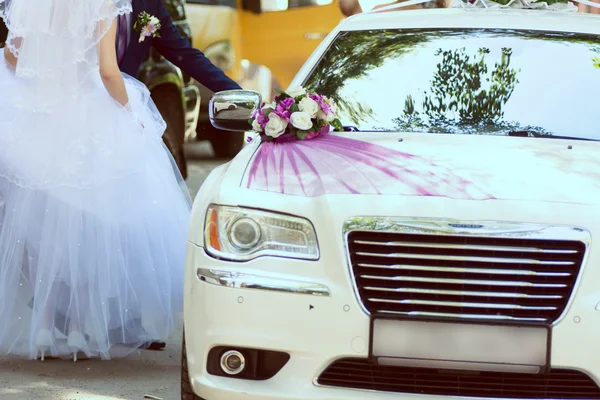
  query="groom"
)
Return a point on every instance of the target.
[
  {"x": 169, "y": 43},
  {"x": 172, "y": 46}
]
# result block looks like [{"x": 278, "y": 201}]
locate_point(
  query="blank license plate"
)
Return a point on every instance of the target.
[{"x": 460, "y": 345}]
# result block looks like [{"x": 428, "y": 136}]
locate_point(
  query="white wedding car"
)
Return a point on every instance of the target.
[{"x": 356, "y": 296}]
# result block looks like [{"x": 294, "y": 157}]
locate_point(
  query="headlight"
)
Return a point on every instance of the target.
[
  {"x": 221, "y": 54},
  {"x": 242, "y": 234}
]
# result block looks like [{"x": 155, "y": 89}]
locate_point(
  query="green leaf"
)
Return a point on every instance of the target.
[
  {"x": 337, "y": 125},
  {"x": 282, "y": 96},
  {"x": 302, "y": 135}
]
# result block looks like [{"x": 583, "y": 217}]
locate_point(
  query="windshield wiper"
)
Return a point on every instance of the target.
[{"x": 530, "y": 133}]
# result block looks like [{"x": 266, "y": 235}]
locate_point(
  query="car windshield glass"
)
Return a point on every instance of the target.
[{"x": 464, "y": 81}]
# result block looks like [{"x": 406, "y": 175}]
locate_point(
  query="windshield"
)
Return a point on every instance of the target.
[{"x": 464, "y": 81}]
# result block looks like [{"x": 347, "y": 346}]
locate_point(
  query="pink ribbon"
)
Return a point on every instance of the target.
[{"x": 330, "y": 164}]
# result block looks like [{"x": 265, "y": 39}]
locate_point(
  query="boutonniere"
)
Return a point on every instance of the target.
[{"x": 147, "y": 25}]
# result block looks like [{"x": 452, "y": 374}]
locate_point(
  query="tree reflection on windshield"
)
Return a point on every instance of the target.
[
  {"x": 484, "y": 81},
  {"x": 352, "y": 56},
  {"x": 465, "y": 87}
]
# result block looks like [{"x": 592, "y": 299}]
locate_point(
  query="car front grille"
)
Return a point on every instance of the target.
[
  {"x": 477, "y": 277},
  {"x": 557, "y": 384}
]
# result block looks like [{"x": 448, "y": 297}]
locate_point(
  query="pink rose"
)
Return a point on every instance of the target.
[{"x": 283, "y": 108}]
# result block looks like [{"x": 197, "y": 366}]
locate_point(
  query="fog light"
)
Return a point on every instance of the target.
[
  {"x": 232, "y": 362},
  {"x": 248, "y": 364}
]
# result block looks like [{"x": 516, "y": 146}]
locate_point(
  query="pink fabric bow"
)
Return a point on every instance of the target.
[{"x": 330, "y": 164}]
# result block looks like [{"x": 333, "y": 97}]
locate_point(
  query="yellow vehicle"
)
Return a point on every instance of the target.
[{"x": 261, "y": 44}]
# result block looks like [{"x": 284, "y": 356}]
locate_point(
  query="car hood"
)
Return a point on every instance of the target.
[{"x": 508, "y": 168}]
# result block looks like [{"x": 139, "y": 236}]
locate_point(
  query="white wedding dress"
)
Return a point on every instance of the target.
[{"x": 93, "y": 212}]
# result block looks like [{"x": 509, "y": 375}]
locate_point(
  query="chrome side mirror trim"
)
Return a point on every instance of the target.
[{"x": 231, "y": 110}]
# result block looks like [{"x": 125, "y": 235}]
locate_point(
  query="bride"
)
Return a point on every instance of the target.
[{"x": 93, "y": 212}]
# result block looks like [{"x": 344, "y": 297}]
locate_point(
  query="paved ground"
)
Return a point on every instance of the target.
[
  {"x": 147, "y": 372},
  {"x": 201, "y": 160}
]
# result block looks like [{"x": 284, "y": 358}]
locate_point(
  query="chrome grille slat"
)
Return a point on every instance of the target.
[
  {"x": 464, "y": 277},
  {"x": 471, "y": 259},
  {"x": 465, "y": 281},
  {"x": 462, "y": 304},
  {"x": 465, "y": 293},
  {"x": 464, "y": 270},
  {"x": 495, "y": 317},
  {"x": 467, "y": 247}
]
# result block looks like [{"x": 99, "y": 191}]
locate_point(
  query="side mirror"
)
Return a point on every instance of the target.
[
  {"x": 284, "y": 5},
  {"x": 230, "y": 110},
  {"x": 251, "y": 5},
  {"x": 274, "y": 5},
  {"x": 155, "y": 55}
]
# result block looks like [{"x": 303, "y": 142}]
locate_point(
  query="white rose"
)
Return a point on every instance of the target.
[
  {"x": 296, "y": 91},
  {"x": 154, "y": 20},
  {"x": 327, "y": 118},
  {"x": 301, "y": 120},
  {"x": 334, "y": 109},
  {"x": 330, "y": 117},
  {"x": 269, "y": 106},
  {"x": 276, "y": 126},
  {"x": 256, "y": 126},
  {"x": 309, "y": 106}
]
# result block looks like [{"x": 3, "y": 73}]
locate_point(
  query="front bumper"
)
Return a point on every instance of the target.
[{"x": 317, "y": 329}]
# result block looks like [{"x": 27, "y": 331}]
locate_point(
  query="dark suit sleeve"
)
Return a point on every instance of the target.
[{"x": 177, "y": 49}]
